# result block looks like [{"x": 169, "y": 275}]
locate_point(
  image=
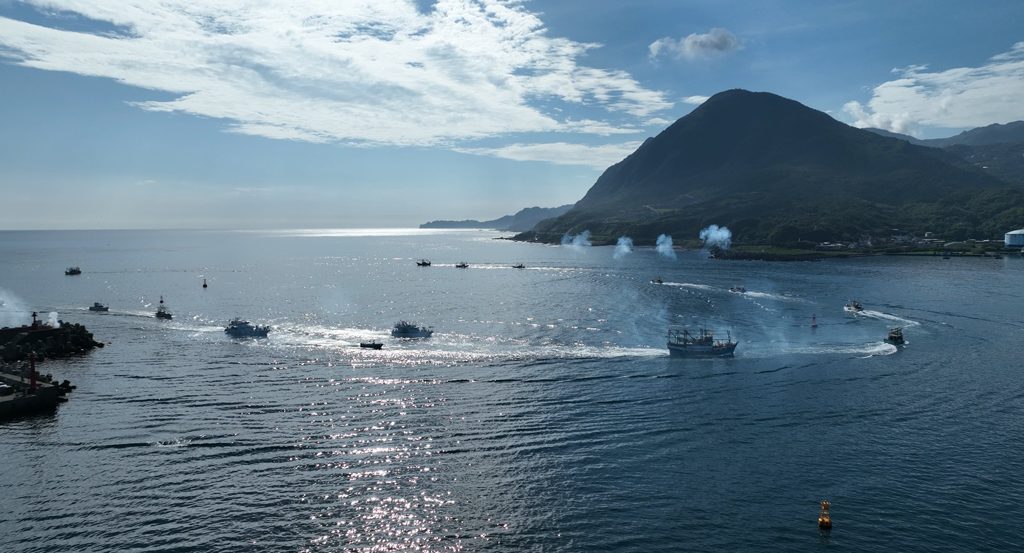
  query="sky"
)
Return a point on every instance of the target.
[{"x": 391, "y": 113}]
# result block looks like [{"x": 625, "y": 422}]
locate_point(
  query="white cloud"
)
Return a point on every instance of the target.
[
  {"x": 360, "y": 71},
  {"x": 960, "y": 97},
  {"x": 695, "y": 100},
  {"x": 562, "y": 153},
  {"x": 696, "y": 46}
]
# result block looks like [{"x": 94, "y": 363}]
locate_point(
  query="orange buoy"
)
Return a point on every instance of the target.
[{"x": 825, "y": 519}]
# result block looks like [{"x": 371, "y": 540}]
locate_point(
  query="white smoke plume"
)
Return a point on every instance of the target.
[
  {"x": 715, "y": 236},
  {"x": 52, "y": 320},
  {"x": 578, "y": 242},
  {"x": 13, "y": 311},
  {"x": 623, "y": 247},
  {"x": 664, "y": 246}
]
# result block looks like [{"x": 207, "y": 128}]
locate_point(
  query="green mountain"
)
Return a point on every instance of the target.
[{"x": 777, "y": 172}]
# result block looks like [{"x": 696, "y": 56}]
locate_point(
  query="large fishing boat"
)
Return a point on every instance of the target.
[
  {"x": 238, "y": 328},
  {"x": 404, "y": 329},
  {"x": 97, "y": 306},
  {"x": 703, "y": 344},
  {"x": 162, "y": 312}
]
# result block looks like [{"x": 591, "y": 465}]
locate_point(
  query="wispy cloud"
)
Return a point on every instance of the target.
[
  {"x": 562, "y": 153},
  {"x": 696, "y": 46},
  {"x": 960, "y": 97},
  {"x": 695, "y": 100},
  {"x": 363, "y": 72}
]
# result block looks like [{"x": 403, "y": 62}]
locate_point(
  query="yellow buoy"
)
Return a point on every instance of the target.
[{"x": 825, "y": 519}]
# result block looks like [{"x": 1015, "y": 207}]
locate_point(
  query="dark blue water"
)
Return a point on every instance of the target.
[{"x": 543, "y": 415}]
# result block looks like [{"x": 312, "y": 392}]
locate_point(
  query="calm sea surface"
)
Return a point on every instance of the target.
[{"x": 543, "y": 415}]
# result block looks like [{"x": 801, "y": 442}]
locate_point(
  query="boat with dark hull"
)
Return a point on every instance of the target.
[
  {"x": 162, "y": 312},
  {"x": 854, "y": 306},
  {"x": 238, "y": 328},
  {"x": 895, "y": 337},
  {"x": 423, "y": 263},
  {"x": 657, "y": 280},
  {"x": 405, "y": 329},
  {"x": 71, "y": 271},
  {"x": 462, "y": 265},
  {"x": 519, "y": 266},
  {"x": 372, "y": 344},
  {"x": 681, "y": 343},
  {"x": 97, "y": 306},
  {"x": 738, "y": 289}
]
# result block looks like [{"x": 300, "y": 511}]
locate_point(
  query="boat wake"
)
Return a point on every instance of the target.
[
  {"x": 888, "y": 317},
  {"x": 692, "y": 285},
  {"x": 766, "y": 295},
  {"x": 862, "y": 351}
]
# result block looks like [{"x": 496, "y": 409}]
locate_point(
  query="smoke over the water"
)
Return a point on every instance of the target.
[
  {"x": 664, "y": 246},
  {"x": 52, "y": 320},
  {"x": 578, "y": 242},
  {"x": 715, "y": 236},
  {"x": 13, "y": 312},
  {"x": 623, "y": 247}
]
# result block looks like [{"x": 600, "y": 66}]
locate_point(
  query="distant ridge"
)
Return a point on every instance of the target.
[
  {"x": 775, "y": 171},
  {"x": 524, "y": 219},
  {"x": 981, "y": 136}
]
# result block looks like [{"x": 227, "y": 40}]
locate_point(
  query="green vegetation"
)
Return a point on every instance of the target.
[{"x": 778, "y": 173}]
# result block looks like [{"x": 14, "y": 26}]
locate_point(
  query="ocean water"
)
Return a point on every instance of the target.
[{"x": 543, "y": 415}]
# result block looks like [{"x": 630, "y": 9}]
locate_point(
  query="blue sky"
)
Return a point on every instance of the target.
[{"x": 389, "y": 113}]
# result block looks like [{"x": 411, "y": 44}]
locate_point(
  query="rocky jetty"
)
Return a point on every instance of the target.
[{"x": 47, "y": 342}]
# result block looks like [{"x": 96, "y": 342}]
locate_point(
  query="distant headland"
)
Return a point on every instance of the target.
[
  {"x": 524, "y": 220},
  {"x": 781, "y": 175}
]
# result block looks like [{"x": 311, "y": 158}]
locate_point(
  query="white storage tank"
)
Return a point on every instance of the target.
[{"x": 1015, "y": 238}]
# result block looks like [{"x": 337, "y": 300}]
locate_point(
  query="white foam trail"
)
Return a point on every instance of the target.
[
  {"x": 771, "y": 296},
  {"x": 715, "y": 236},
  {"x": 886, "y": 316},
  {"x": 691, "y": 285},
  {"x": 664, "y": 246},
  {"x": 865, "y": 350},
  {"x": 623, "y": 247}
]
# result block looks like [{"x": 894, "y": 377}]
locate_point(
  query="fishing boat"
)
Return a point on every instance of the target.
[
  {"x": 854, "y": 306},
  {"x": 519, "y": 266},
  {"x": 423, "y": 263},
  {"x": 895, "y": 337},
  {"x": 462, "y": 265},
  {"x": 814, "y": 320},
  {"x": 657, "y": 280},
  {"x": 405, "y": 329},
  {"x": 703, "y": 344},
  {"x": 738, "y": 289},
  {"x": 162, "y": 312},
  {"x": 72, "y": 271},
  {"x": 372, "y": 344},
  {"x": 97, "y": 306},
  {"x": 238, "y": 328}
]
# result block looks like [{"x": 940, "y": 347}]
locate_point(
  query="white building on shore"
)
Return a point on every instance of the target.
[{"x": 1014, "y": 239}]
